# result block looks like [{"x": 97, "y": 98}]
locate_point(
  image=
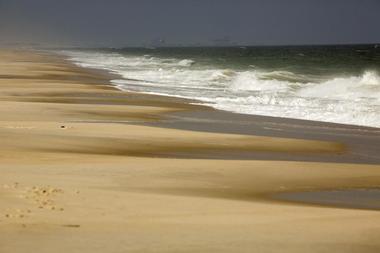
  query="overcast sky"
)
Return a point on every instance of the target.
[{"x": 138, "y": 22}]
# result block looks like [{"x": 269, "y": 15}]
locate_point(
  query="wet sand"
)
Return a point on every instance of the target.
[
  {"x": 88, "y": 168},
  {"x": 349, "y": 198},
  {"x": 362, "y": 143}
]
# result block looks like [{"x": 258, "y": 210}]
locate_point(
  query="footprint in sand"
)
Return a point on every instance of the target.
[{"x": 44, "y": 197}]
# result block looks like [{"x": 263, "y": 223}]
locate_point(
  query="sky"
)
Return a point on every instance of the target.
[{"x": 117, "y": 23}]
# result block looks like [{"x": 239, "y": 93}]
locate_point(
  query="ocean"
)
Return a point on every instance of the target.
[{"x": 338, "y": 84}]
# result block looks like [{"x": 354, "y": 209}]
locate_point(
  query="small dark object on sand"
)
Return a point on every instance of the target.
[{"x": 71, "y": 225}]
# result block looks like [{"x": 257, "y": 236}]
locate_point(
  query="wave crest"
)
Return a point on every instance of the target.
[
  {"x": 250, "y": 81},
  {"x": 355, "y": 87},
  {"x": 370, "y": 78},
  {"x": 186, "y": 63},
  {"x": 285, "y": 76}
]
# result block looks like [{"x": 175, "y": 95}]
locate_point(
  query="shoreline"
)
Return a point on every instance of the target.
[
  {"x": 142, "y": 173},
  {"x": 348, "y": 198},
  {"x": 197, "y": 103},
  {"x": 80, "y": 60},
  {"x": 198, "y": 119}
]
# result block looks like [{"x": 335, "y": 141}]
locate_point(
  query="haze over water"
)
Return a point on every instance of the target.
[{"x": 338, "y": 84}]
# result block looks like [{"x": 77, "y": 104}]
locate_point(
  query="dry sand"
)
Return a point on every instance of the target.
[{"x": 82, "y": 172}]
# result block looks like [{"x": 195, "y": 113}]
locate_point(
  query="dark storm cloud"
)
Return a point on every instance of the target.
[{"x": 135, "y": 22}]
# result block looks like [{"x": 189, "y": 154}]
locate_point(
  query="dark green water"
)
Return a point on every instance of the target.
[{"x": 313, "y": 60}]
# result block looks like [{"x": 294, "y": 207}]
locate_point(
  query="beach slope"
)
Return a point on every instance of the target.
[{"x": 86, "y": 168}]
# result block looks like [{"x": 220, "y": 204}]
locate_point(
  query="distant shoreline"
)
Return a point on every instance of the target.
[{"x": 34, "y": 46}]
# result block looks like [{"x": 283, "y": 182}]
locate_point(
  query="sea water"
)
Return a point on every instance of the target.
[{"x": 338, "y": 84}]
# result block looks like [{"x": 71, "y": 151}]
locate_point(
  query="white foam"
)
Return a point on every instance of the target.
[
  {"x": 346, "y": 88},
  {"x": 286, "y": 76},
  {"x": 249, "y": 81},
  {"x": 370, "y": 78},
  {"x": 186, "y": 62}
]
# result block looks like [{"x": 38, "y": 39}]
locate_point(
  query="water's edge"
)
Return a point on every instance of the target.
[
  {"x": 346, "y": 91},
  {"x": 349, "y": 198}
]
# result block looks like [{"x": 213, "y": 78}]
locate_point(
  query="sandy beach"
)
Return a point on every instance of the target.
[{"x": 89, "y": 168}]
